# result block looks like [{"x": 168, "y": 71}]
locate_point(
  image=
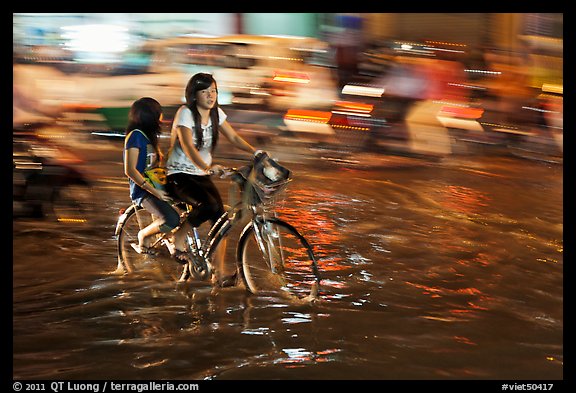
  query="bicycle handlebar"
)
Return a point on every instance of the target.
[
  {"x": 272, "y": 176},
  {"x": 226, "y": 172}
]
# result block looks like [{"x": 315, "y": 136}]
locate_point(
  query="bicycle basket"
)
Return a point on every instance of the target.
[{"x": 264, "y": 179}]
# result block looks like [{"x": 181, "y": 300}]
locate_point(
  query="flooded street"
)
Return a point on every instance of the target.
[{"x": 432, "y": 270}]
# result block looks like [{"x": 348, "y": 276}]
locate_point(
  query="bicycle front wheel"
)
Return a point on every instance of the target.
[{"x": 273, "y": 256}]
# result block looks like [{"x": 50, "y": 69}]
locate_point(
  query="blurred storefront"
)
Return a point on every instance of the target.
[
  {"x": 260, "y": 66},
  {"x": 474, "y": 29},
  {"x": 45, "y": 28},
  {"x": 470, "y": 28},
  {"x": 537, "y": 38}
]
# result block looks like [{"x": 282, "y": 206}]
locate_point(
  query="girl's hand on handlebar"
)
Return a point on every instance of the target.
[
  {"x": 220, "y": 171},
  {"x": 215, "y": 170},
  {"x": 227, "y": 172}
]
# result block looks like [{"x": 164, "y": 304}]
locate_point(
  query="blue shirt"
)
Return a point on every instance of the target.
[{"x": 147, "y": 157}]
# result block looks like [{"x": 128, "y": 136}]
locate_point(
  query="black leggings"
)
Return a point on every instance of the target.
[{"x": 200, "y": 192}]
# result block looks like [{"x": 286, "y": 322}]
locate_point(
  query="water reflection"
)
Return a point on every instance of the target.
[
  {"x": 427, "y": 272},
  {"x": 463, "y": 199}
]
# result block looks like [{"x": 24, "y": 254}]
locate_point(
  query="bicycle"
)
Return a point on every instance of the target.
[{"x": 271, "y": 255}]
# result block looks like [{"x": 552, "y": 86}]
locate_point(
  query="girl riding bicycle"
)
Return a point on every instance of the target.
[
  {"x": 141, "y": 152},
  {"x": 270, "y": 255},
  {"x": 194, "y": 137}
]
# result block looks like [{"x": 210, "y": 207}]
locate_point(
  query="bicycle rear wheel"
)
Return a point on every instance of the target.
[
  {"x": 128, "y": 227},
  {"x": 273, "y": 256},
  {"x": 161, "y": 263}
]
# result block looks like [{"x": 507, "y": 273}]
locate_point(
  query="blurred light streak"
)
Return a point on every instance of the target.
[
  {"x": 72, "y": 220},
  {"x": 463, "y": 124},
  {"x": 26, "y": 165},
  {"x": 531, "y": 108},
  {"x": 426, "y": 290},
  {"x": 461, "y": 112},
  {"x": 415, "y": 51},
  {"x": 308, "y": 115},
  {"x": 368, "y": 91},
  {"x": 464, "y": 340},
  {"x": 499, "y": 126},
  {"x": 553, "y": 88},
  {"x": 351, "y": 113},
  {"x": 445, "y": 43},
  {"x": 343, "y": 123},
  {"x": 292, "y": 77},
  {"x": 467, "y": 86},
  {"x": 72, "y": 106},
  {"x": 96, "y": 38},
  {"x": 285, "y": 58},
  {"x": 480, "y": 308},
  {"x": 356, "y": 108},
  {"x": 483, "y": 72},
  {"x": 258, "y": 91},
  {"x": 443, "y": 50},
  {"x": 437, "y": 292}
]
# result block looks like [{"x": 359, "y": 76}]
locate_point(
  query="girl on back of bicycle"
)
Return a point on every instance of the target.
[
  {"x": 141, "y": 152},
  {"x": 189, "y": 164}
]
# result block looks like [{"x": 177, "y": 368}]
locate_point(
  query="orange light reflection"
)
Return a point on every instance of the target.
[
  {"x": 291, "y": 77},
  {"x": 463, "y": 199},
  {"x": 354, "y": 106},
  {"x": 316, "y": 226},
  {"x": 308, "y": 115}
]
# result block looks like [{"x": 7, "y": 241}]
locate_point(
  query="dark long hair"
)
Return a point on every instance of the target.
[
  {"x": 202, "y": 81},
  {"x": 145, "y": 115}
]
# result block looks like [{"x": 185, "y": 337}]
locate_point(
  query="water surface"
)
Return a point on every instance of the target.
[{"x": 446, "y": 270}]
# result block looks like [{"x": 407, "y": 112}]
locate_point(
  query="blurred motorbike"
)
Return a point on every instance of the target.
[{"x": 48, "y": 181}]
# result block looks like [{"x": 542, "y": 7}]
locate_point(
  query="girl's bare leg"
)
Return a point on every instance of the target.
[
  {"x": 219, "y": 255},
  {"x": 180, "y": 236},
  {"x": 145, "y": 233}
]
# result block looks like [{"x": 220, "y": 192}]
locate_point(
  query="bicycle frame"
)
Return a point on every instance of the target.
[
  {"x": 226, "y": 222},
  {"x": 252, "y": 209},
  {"x": 221, "y": 227}
]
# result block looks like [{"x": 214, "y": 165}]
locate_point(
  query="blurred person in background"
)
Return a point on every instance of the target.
[
  {"x": 189, "y": 165},
  {"x": 27, "y": 108},
  {"x": 141, "y": 152}
]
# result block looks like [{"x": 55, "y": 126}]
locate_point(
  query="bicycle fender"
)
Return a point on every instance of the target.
[
  {"x": 241, "y": 241},
  {"x": 127, "y": 212}
]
